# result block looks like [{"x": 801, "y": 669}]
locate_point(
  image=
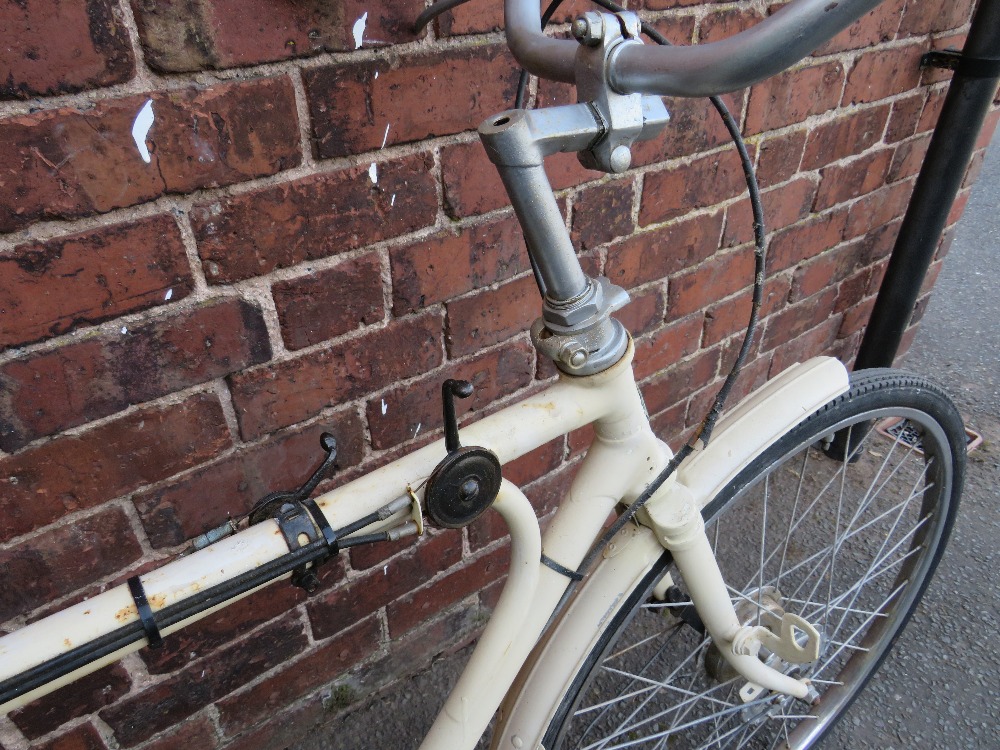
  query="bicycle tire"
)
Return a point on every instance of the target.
[{"x": 647, "y": 682}]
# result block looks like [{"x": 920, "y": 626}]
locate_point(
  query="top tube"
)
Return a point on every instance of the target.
[{"x": 719, "y": 67}]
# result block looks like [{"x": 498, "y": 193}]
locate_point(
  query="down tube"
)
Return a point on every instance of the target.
[{"x": 623, "y": 458}]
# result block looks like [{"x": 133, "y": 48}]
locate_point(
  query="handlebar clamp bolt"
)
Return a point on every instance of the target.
[{"x": 588, "y": 29}]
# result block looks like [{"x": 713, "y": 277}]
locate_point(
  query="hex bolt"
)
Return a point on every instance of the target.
[
  {"x": 588, "y": 29},
  {"x": 573, "y": 355}
]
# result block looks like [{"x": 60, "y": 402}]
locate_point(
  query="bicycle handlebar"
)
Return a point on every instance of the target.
[{"x": 761, "y": 51}]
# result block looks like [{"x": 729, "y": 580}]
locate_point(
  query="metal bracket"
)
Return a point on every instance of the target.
[
  {"x": 625, "y": 117},
  {"x": 970, "y": 67}
]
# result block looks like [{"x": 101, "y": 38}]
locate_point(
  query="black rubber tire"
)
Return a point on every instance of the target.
[{"x": 637, "y": 633}]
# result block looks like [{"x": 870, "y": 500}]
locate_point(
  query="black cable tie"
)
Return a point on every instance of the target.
[
  {"x": 319, "y": 518},
  {"x": 573, "y": 575},
  {"x": 145, "y": 612}
]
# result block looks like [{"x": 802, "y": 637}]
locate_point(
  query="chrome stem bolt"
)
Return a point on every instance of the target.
[{"x": 588, "y": 29}]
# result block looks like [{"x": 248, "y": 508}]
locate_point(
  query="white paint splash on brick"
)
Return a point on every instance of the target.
[
  {"x": 140, "y": 129},
  {"x": 359, "y": 29},
  {"x": 386, "y": 136},
  {"x": 169, "y": 294},
  {"x": 373, "y": 173},
  {"x": 385, "y": 407}
]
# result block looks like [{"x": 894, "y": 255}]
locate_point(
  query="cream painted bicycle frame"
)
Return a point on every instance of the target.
[{"x": 623, "y": 458}]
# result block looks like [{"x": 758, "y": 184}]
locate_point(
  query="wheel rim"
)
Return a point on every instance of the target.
[{"x": 854, "y": 566}]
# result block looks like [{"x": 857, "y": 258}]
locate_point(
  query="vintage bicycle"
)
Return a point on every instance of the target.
[{"x": 749, "y": 584}]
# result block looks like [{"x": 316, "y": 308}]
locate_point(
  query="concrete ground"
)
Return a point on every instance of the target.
[{"x": 940, "y": 687}]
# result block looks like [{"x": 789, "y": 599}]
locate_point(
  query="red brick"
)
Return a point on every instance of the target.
[
  {"x": 826, "y": 270},
  {"x": 645, "y": 312},
  {"x": 602, "y": 213},
  {"x": 783, "y": 205},
  {"x": 82, "y": 471},
  {"x": 206, "y": 498},
  {"x": 879, "y": 25},
  {"x": 166, "y": 703},
  {"x": 192, "y": 733},
  {"x": 279, "y": 226},
  {"x": 230, "y": 624},
  {"x": 856, "y": 318},
  {"x": 329, "y": 660},
  {"x": 84, "y": 696},
  {"x": 471, "y": 182},
  {"x": 790, "y": 246},
  {"x": 227, "y": 33},
  {"x": 732, "y": 315},
  {"x": 720, "y": 24},
  {"x": 492, "y": 315},
  {"x": 324, "y": 304},
  {"x": 694, "y": 126},
  {"x": 62, "y": 560},
  {"x": 403, "y": 413},
  {"x": 274, "y": 396},
  {"x": 932, "y": 110},
  {"x": 703, "y": 182},
  {"x": 799, "y": 318},
  {"x": 908, "y": 159},
  {"x": 346, "y": 605},
  {"x": 714, "y": 279},
  {"x": 933, "y": 17},
  {"x": 83, "y": 737},
  {"x": 834, "y": 140},
  {"x": 447, "y": 265},
  {"x": 61, "y": 48},
  {"x": 67, "y": 163},
  {"x": 352, "y": 104},
  {"x": 478, "y": 17},
  {"x": 52, "y": 287},
  {"x": 882, "y": 73},
  {"x": 842, "y": 182},
  {"x": 667, "y": 346},
  {"x": 905, "y": 116},
  {"x": 677, "y": 383},
  {"x": 878, "y": 208},
  {"x": 653, "y": 255},
  {"x": 779, "y": 157},
  {"x": 86, "y": 380},
  {"x": 791, "y": 97},
  {"x": 408, "y": 611},
  {"x": 819, "y": 340}
]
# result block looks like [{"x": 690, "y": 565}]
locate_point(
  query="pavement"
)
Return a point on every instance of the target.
[{"x": 940, "y": 686}]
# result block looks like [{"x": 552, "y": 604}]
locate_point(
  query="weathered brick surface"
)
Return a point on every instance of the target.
[
  {"x": 57, "y": 48},
  {"x": 226, "y": 33},
  {"x": 325, "y": 304},
  {"x": 140, "y": 716},
  {"x": 405, "y": 412},
  {"x": 83, "y": 470},
  {"x": 71, "y": 162},
  {"x": 322, "y": 215},
  {"x": 48, "y": 288},
  {"x": 317, "y": 241},
  {"x": 204, "y": 499},
  {"x": 62, "y": 560},
  {"x": 86, "y": 695},
  {"x": 81, "y": 382},
  {"x": 407, "y": 101},
  {"x": 448, "y": 265},
  {"x": 278, "y": 395}
]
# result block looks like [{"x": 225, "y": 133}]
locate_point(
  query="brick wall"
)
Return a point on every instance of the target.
[{"x": 316, "y": 242}]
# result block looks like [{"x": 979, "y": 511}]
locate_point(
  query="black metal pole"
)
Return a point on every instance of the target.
[{"x": 966, "y": 105}]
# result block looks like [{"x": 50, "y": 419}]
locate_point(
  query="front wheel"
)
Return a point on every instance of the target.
[{"x": 841, "y": 521}]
